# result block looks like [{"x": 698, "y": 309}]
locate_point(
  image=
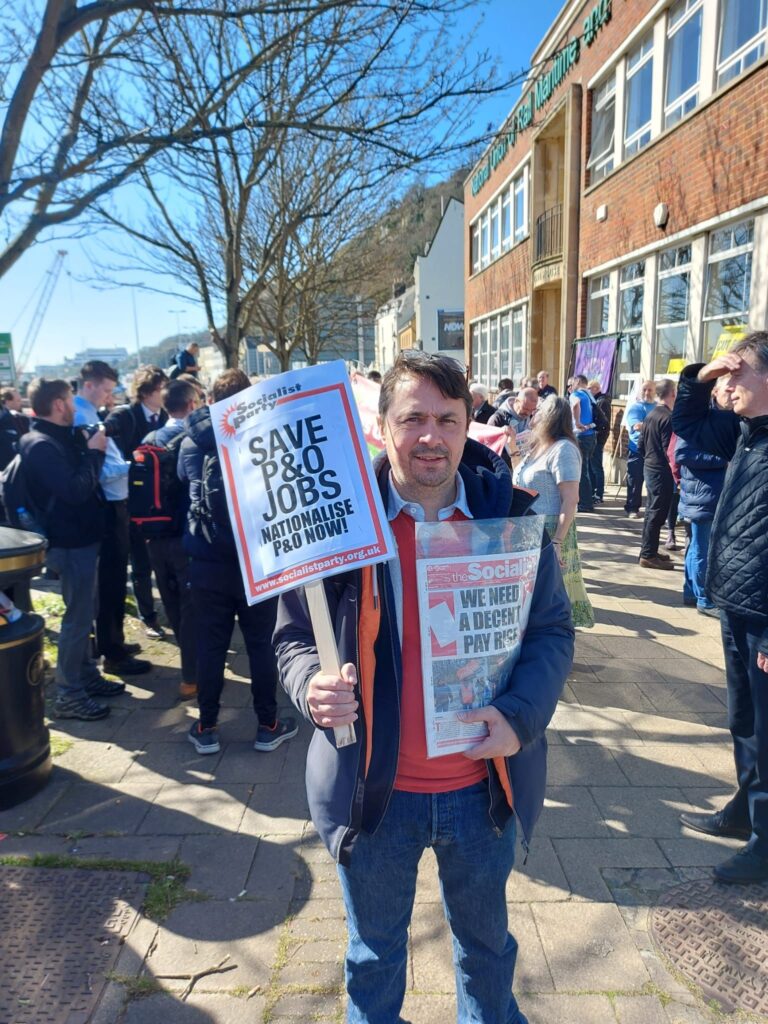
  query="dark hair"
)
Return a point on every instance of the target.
[
  {"x": 374, "y": 375},
  {"x": 43, "y": 393},
  {"x": 757, "y": 344},
  {"x": 96, "y": 369},
  {"x": 578, "y": 380},
  {"x": 664, "y": 388},
  {"x": 148, "y": 379},
  {"x": 229, "y": 383},
  {"x": 177, "y": 394},
  {"x": 505, "y": 384},
  {"x": 442, "y": 371},
  {"x": 7, "y": 394}
]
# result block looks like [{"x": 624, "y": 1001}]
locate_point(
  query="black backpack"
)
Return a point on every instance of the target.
[
  {"x": 155, "y": 493},
  {"x": 210, "y": 515},
  {"x": 16, "y": 504}
]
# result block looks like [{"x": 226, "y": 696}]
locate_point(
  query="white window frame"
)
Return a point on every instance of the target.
[
  {"x": 488, "y": 367},
  {"x": 605, "y": 93},
  {"x": 676, "y": 270},
  {"x": 519, "y": 187},
  {"x": 601, "y": 292},
  {"x": 642, "y": 54},
  {"x": 474, "y": 241},
  {"x": 506, "y": 205},
  {"x": 738, "y": 62},
  {"x": 495, "y": 220},
  {"x": 688, "y": 100},
  {"x": 747, "y": 249}
]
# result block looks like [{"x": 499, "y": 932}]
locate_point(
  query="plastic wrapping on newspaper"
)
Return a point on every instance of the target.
[{"x": 475, "y": 586}]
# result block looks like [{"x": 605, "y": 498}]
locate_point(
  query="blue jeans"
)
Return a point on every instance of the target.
[
  {"x": 474, "y": 862},
  {"x": 586, "y": 483},
  {"x": 748, "y": 722},
  {"x": 75, "y": 667},
  {"x": 696, "y": 562}
]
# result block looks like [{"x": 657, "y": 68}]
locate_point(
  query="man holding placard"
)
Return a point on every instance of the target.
[{"x": 380, "y": 802}]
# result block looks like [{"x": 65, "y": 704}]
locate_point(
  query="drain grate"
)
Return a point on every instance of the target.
[
  {"x": 717, "y": 936},
  {"x": 62, "y": 931}
]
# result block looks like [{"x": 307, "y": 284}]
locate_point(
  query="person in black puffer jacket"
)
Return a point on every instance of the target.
[
  {"x": 737, "y": 582},
  {"x": 218, "y": 594}
]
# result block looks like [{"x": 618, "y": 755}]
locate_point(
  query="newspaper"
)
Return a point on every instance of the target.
[{"x": 475, "y": 586}]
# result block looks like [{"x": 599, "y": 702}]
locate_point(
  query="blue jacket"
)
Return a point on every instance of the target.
[
  {"x": 702, "y": 476},
  {"x": 737, "y": 568},
  {"x": 349, "y": 788}
]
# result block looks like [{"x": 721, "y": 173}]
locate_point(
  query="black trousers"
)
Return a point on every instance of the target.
[
  {"x": 216, "y": 612},
  {"x": 659, "y": 486},
  {"x": 141, "y": 576},
  {"x": 171, "y": 567},
  {"x": 748, "y": 721},
  {"x": 113, "y": 582}
]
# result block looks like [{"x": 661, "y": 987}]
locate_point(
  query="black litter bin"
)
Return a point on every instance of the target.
[{"x": 25, "y": 751}]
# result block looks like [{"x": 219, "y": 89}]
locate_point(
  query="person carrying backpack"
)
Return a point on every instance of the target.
[
  {"x": 217, "y": 588},
  {"x": 158, "y": 502},
  {"x": 601, "y": 414},
  {"x": 61, "y": 470}
]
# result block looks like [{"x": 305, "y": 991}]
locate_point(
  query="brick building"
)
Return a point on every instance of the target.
[{"x": 626, "y": 194}]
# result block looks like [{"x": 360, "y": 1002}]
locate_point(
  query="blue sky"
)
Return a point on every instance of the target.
[{"x": 81, "y": 315}]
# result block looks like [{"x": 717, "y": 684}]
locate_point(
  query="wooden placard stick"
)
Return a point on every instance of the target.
[{"x": 325, "y": 639}]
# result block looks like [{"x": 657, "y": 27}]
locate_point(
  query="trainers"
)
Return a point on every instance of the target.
[
  {"x": 187, "y": 690},
  {"x": 205, "y": 741},
  {"x": 270, "y": 737},
  {"x": 84, "y": 708},
  {"x": 102, "y": 687},
  {"x": 656, "y": 563},
  {"x": 127, "y": 666},
  {"x": 154, "y": 632}
]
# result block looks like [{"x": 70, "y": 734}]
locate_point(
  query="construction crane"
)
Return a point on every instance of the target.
[{"x": 49, "y": 283}]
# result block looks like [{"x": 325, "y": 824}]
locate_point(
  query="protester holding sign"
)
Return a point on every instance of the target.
[
  {"x": 384, "y": 794},
  {"x": 218, "y": 595}
]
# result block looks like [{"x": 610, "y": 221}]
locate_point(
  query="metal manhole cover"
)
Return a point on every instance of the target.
[
  {"x": 717, "y": 936},
  {"x": 61, "y": 934}
]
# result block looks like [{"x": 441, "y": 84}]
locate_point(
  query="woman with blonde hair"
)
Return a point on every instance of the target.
[{"x": 552, "y": 466}]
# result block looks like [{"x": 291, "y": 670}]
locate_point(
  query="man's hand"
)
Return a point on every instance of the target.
[
  {"x": 727, "y": 363},
  {"x": 98, "y": 441},
  {"x": 331, "y": 699},
  {"x": 502, "y": 740},
  {"x": 762, "y": 662}
]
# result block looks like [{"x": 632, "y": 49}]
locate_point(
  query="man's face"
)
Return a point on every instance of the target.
[
  {"x": 648, "y": 393},
  {"x": 543, "y": 379},
  {"x": 98, "y": 392},
  {"x": 153, "y": 399},
  {"x": 477, "y": 399},
  {"x": 595, "y": 389},
  {"x": 66, "y": 409},
  {"x": 747, "y": 387},
  {"x": 14, "y": 402},
  {"x": 526, "y": 402},
  {"x": 424, "y": 433}
]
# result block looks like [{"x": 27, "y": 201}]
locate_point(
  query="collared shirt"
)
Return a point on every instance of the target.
[
  {"x": 171, "y": 429},
  {"x": 396, "y": 505},
  {"x": 114, "y": 472},
  {"x": 148, "y": 414}
]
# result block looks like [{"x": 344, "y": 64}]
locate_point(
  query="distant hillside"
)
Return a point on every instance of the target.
[{"x": 389, "y": 249}]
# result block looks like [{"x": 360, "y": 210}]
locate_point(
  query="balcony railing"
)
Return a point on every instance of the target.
[{"x": 549, "y": 233}]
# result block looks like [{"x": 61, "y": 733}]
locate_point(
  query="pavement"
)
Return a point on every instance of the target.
[{"x": 639, "y": 736}]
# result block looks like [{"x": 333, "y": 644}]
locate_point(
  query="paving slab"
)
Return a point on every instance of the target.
[
  {"x": 567, "y": 1009},
  {"x": 571, "y": 811},
  {"x": 652, "y": 811},
  {"x": 588, "y": 946},
  {"x": 583, "y": 861},
  {"x": 640, "y": 1010},
  {"x": 220, "y": 863},
  {"x": 572, "y": 764},
  {"x": 93, "y": 807},
  {"x": 182, "y": 809},
  {"x": 197, "y": 1009}
]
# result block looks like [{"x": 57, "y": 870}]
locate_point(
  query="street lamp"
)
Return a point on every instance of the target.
[{"x": 178, "y": 313}]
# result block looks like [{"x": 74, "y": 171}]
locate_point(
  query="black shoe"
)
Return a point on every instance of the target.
[
  {"x": 127, "y": 666},
  {"x": 689, "y": 602},
  {"x": 84, "y": 708},
  {"x": 154, "y": 631},
  {"x": 744, "y": 867},
  {"x": 579, "y": 508},
  {"x": 131, "y": 649},
  {"x": 713, "y": 825},
  {"x": 712, "y": 612},
  {"x": 102, "y": 687}
]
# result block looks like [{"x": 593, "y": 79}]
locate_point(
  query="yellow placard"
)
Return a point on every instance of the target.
[
  {"x": 675, "y": 366},
  {"x": 730, "y": 334}
]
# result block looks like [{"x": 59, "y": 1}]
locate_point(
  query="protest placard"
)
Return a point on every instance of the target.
[
  {"x": 303, "y": 501},
  {"x": 475, "y": 586}
]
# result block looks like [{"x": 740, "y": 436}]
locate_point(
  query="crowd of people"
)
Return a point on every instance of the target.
[{"x": 377, "y": 804}]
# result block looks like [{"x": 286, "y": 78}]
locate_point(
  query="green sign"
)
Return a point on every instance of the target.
[
  {"x": 7, "y": 370},
  {"x": 543, "y": 89}
]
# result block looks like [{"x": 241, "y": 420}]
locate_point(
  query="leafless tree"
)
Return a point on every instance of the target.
[{"x": 348, "y": 103}]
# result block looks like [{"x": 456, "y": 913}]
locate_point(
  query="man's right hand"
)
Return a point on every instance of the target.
[
  {"x": 727, "y": 363},
  {"x": 331, "y": 699},
  {"x": 98, "y": 441}
]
